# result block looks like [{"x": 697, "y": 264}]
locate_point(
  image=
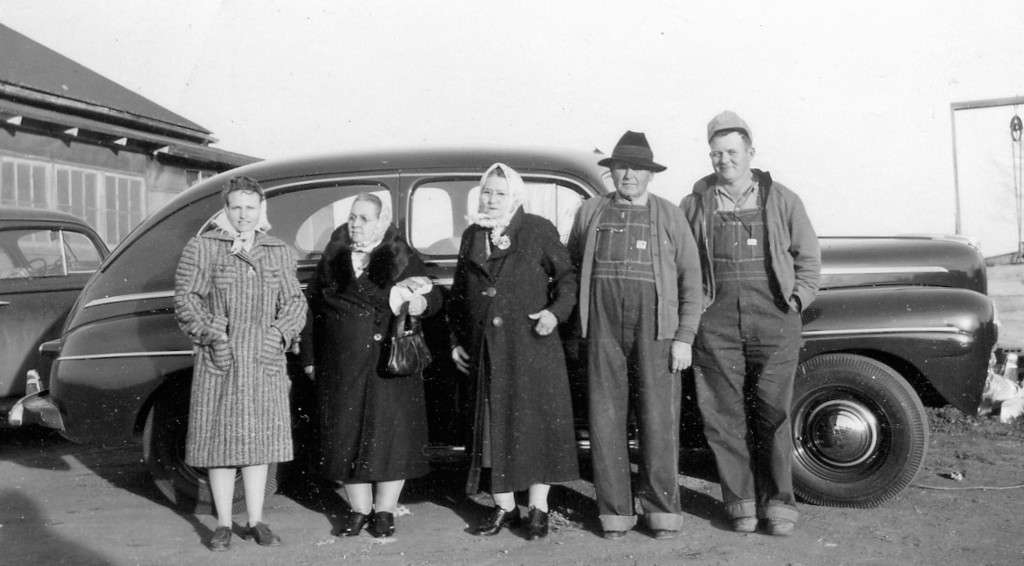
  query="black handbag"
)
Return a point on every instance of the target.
[{"x": 409, "y": 352}]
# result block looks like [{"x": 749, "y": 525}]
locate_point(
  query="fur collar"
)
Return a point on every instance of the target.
[{"x": 387, "y": 261}]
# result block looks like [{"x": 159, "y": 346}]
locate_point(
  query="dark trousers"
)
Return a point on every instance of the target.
[
  {"x": 629, "y": 369},
  {"x": 744, "y": 369}
]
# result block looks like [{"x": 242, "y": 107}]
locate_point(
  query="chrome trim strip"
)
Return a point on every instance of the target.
[
  {"x": 125, "y": 355},
  {"x": 898, "y": 330},
  {"x": 138, "y": 297},
  {"x": 877, "y": 270},
  {"x": 130, "y": 297}
]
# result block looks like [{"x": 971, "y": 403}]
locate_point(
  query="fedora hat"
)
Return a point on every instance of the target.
[{"x": 634, "y": 150}]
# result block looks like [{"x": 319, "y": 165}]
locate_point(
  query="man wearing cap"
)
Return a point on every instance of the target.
[
  {"x": 640, "y": 303},
  {"x": 761, "y": 264}
]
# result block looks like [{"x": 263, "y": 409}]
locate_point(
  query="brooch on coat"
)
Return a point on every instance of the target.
[{"x": 502, "y": 243}]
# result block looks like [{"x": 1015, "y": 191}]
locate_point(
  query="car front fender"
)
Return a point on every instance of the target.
[{"x": 947, "y": 335}]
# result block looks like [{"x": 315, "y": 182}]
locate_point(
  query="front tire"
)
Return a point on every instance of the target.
[
  {"x": 860, "y": 432},
  {"x": 186, "y": 487}
]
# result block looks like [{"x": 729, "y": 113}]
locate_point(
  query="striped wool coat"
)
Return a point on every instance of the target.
[{"x": 239, "y": 414}]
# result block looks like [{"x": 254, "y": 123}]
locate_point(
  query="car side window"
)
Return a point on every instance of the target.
[
  {"x": 81, "y": 253},
  {"x": 46, "y": 253},
  {"x": 36, "y": 253},
  {"x": 305, "y": 217},
  {"x": 9, "y": 269},
  {"x": 439, "y": 209}
]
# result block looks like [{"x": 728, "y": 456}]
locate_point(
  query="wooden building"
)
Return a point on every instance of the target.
[{"x": 75, "y": 141}]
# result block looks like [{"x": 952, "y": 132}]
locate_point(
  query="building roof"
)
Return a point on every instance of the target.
[
  {"x": 44, "y": 92},
  {"x": 37, "y": 75}
]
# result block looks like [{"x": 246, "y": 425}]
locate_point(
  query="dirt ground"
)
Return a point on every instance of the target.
[{"x": 62, "y": 503}]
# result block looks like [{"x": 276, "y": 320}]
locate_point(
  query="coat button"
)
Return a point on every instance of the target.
[
  {"x": 490, "y": 292},
  {"x": 497, "y": 322},
  {"x": 377, "y": 337}
]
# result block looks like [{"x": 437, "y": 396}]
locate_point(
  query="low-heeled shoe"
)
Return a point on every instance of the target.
[
  {"x": 744, "y": 524},
  {"x": 664, "y": 534},
  {"x": 221, "y": 539},
  {"x": 612, "y": 535},
  {"x": 780, "y": 527},
  {"x": 262, "y": 534},
  {"x": 496, "y": 520},
  {"x": 537, "y": 526},
  {"x": 352, "y": 524},
  {"x": 382, "y": 525}
]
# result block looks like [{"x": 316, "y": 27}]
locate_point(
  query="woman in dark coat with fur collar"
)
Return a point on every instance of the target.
[
  {"x": 373, "y": 427},
  {"x": 513, "y": 284}
]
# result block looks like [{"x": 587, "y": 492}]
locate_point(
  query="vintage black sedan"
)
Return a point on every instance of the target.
[
  {"x": 45, "y": 259},
  {"x": 898, "y": 320}
]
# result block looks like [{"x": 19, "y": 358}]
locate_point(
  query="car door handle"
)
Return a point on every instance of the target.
[{"x": 4, "y": 303}]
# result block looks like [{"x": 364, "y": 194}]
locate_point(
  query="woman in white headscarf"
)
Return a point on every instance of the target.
[
  {"x": 514, "y": 283},
  {"x": 236, "y": 295},
  {"x": 373, "y": 427}
]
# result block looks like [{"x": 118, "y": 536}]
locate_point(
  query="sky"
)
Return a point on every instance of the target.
[{"x": 848, "y": 102}]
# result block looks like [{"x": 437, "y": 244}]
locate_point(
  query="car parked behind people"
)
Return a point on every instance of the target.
[
  {"x": 45, "y": 259},
  {"x": 897, "y": 319}
]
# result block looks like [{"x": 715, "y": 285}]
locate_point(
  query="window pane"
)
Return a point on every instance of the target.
[
  {"x": 40, "y": 250},
  {"x": 83, "y": 257},
  {"x": 39, "y": 186},
  {"x": 7, "y": 184},
  {"x": 433, "y": 225},
  {"x": 323, "y": 210},
  {"x": 110, "y": 231},
  {"x": 123, "y": 204},
  {"x": 24, "y": 182},
  {"x": 439, "y": 210},
  {"x": 91, "y": 192},
  {"x": 63, "y": 190},
  {"x": 555, "y": 202}
]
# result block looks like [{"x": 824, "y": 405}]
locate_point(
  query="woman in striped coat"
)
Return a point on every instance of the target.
[{"x": 236, "y": 295}]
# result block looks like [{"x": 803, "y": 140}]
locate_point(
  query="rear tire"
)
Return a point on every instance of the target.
[
  {"x": 860, "y": 432},
  {"x": 186, "y": 487}
]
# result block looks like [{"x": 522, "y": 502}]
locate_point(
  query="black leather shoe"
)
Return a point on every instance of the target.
[
  {"x": 663, "y": 534},
  {"x": 262, "y": 534},
  {"x": 221, "y": 539},
  {"x": 383, "y": 525},
  {"x": 496, "y": 520},
  {"x": 352, "y": 524},
  {"x": 612, "y": 535},
  {"x": 537, "y": 526}
]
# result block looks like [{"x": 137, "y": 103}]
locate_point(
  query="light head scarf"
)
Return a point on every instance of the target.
[
  {"x": 242, "y": 240},
  {"x": 517, "y": 192}
]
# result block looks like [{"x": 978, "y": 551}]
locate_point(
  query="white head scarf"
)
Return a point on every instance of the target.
[
  {"x": 517, "y": 192},
  {"x": 243, "y": 240}
]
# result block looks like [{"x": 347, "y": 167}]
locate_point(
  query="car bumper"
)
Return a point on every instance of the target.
[{"x": 36, "y": 408}]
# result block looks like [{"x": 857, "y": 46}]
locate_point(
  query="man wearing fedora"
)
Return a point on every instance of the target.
[
  {"x": 640, "y": 303},
  {"x": 761, "y": 264}
]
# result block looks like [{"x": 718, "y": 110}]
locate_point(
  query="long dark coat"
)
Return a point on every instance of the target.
[
  {"x": 373, "y": 427},
  {"x": 522, "y": 374},
  {"x": 239, "y": 413}
]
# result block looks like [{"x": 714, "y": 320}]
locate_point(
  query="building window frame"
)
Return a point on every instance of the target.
[
  {"x": 113, "y": 203},
  {"x": 24, "y": 183}
]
